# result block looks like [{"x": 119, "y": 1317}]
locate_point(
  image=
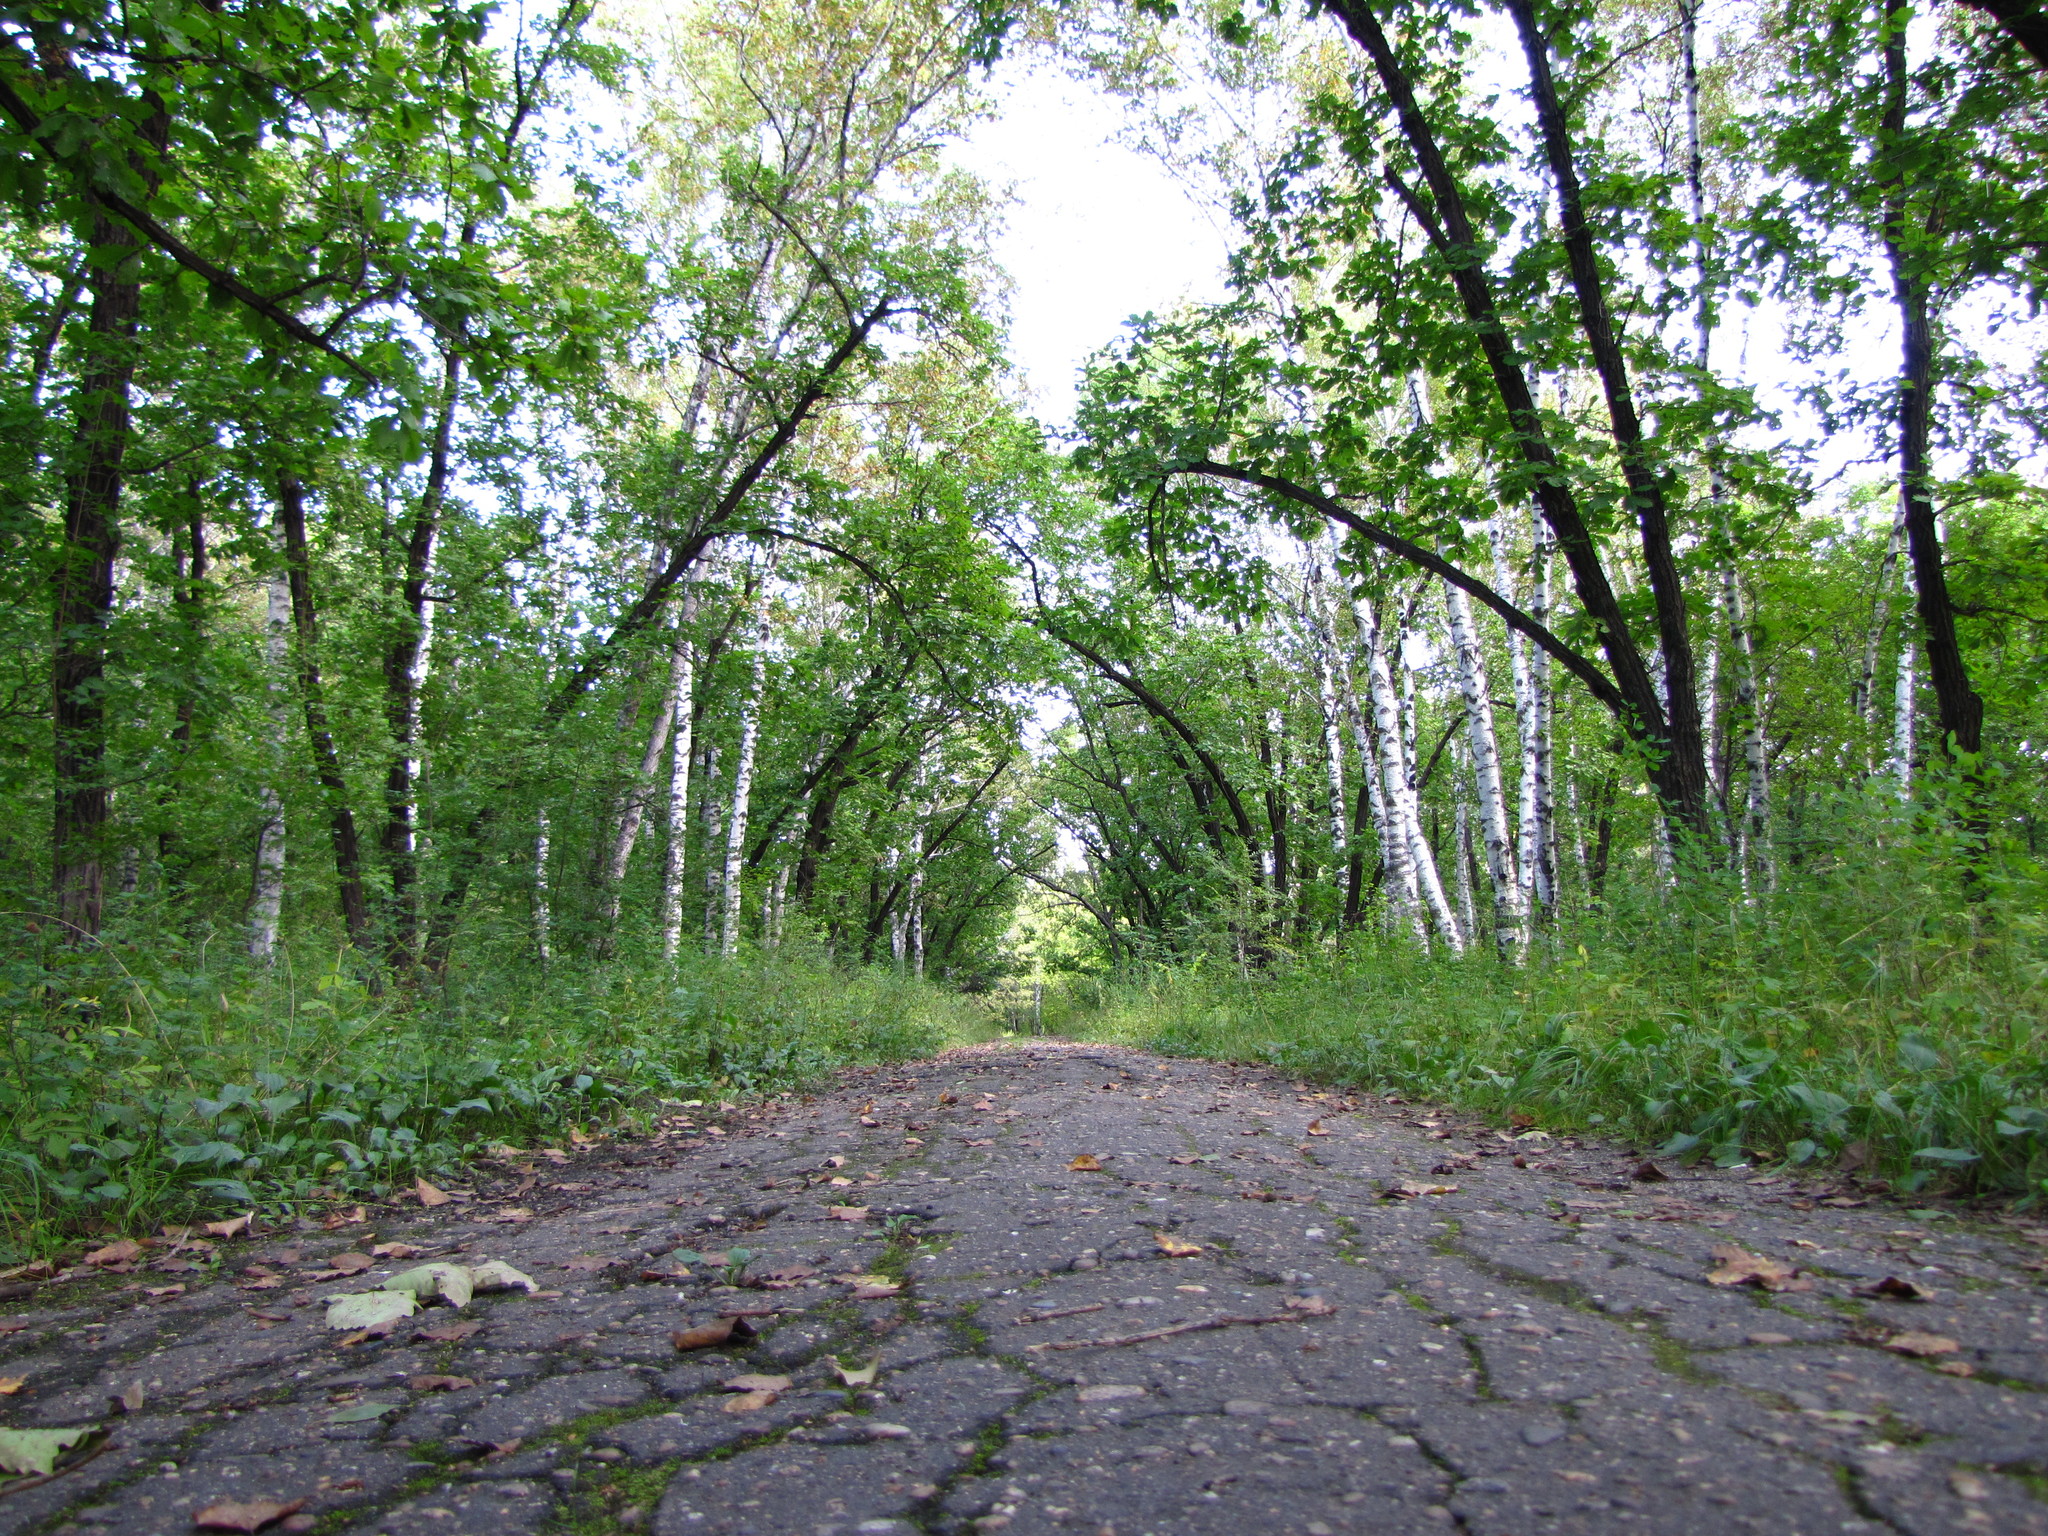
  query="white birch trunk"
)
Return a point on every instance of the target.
[
  {"x": 1423, "y": 886},
  {"x": 742, "y": 786},
  {"x": 1462, "y": 838},
  {"x": 1753, "y": 842},
  {"x": 1510, "y": 909},
  {"x": 1902, "y": 718},
  {"x": 634, "y": 813},
  {"x": 683, "y": 686},
  {"x": 267, "y": 899},
  {"x": 778, "y": 895},
  {"x": 1528, "y": 732},
  {"x": 543, "y": 909},
  {"x": 714, "y": 834},
  {"x": 1544, "y": 833}
]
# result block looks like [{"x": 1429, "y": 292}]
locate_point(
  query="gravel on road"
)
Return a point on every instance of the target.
[{"x": 1101, "y": 1292}]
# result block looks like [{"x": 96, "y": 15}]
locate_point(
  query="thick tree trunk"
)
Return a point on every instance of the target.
[
  {"x": 341, "y": 821},
  {"x": 82, "y": 580},
  {"x": 1409, "y": 860},
  {"x": 1509, "y": 908},
  {"x": 633, "y": 814},
  {"x": 267, "y": 896}
]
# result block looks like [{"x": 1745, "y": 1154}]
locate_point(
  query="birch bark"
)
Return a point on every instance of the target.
[
  {"x": 267, "y": 903},
  {"x": 684, "y": 688},
  {"x": 543, "y": 912},
  {"x": 1510, "y": 911},
  {"x": 641, "y": 791},
  {"x": 1422, "y": 884},
  {"x": 742, "y": 785}
]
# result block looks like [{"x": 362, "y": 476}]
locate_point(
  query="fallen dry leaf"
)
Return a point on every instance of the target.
[
  {"x": 392, "y": 1251},
  {"x": 234, "y": 1226},
  {"x": 869, "y": 1121},
  {"x": 1650, "y": 1173},
  {"x": 1408, "y": 1189},
  {"x": 781, "y": 1275},
  {"x": 876, "y": 1290},
  {"x": 247, "y": 1516},
  {"x": 9, "y": 1385},
  {"x": 126, "y": 1251},
  {"x": 351, "y": 1263},
  {"x": 429, "y": 1196},
  {"x": 160, "y": 1292},
  {"x": 438, "y": 1383},
  {"x": 756, "y": 1383},
  {"x": 589, "y": 1264},
  {"x": 748, "y": 1402},
  {"x": 127, "y": 1400},
  {"x": 1922, "y": 1346},
  {"x": 1085, "y": 1163},
  {"x": 1956, "y": 1368},
  {"x": 1895, "y": 1288},
  {"x": 1175, "y": 1248},
  {"x": 1315, "y": 1128},
  {"x": 709, "y": 1335},
  {"x": 835, "y": 1162},
  {"x": 449, "y": 1333},
  {"x": 1738, "y": 1266},
  {"x": 847, "y": 1212}
]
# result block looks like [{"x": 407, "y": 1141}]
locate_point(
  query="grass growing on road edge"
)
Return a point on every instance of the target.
[
  {"x": 1858, "y": 1016},
  {"x": 148, "y": 1082}
]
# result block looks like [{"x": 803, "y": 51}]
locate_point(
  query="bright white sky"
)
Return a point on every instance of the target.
[{"x": 1099, "y": 232}]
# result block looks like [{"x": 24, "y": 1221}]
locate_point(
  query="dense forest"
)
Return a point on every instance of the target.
[{"x": 531, "y": 584}]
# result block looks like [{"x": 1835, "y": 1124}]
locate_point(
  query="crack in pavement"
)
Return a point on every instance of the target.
[{"x": 1535, "y": 1351}]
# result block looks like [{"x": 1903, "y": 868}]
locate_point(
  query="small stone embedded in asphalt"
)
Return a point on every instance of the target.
[{"x": 1536, "y": 1352}]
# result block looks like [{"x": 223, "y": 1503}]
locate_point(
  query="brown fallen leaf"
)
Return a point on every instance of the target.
[
  {"x": 1518, "y": 1120},
  {"x": 749, "y": 1402},
  {"x": 1895, "y": 1288},
  {"x": 260, "y": 1283},
  {"x": 1738, "y": 1266},
  {"x": 1183, "y": 1161},
  {"x": 438, "y": 1383},
  {"x": 835, "y": 1162},
  {"x": 876, "y": 1290},
  {"x": 269, "y": 1317},
  {"x": 162, "y": 1292},
  {"x": 1922, "y": 1346},
  {"x": 1174, "y": 1247},
  {"x": 1408, "y": 1189},
  {"x": 127, "y": 1400},
  {"x": 449, "y": 1333},
  {"x": 126, "y": 1251},
  {"x": 1309, "y": 1306},
  {"x": 847, "y": 1212},
  {"x": 351, "y": 1262},
  {"x": 756, "y": 1383},
  {"x": 516, "y": 1213},
  {"x": 589, "y": 1264},
  {"x": 248, "y": 1515},
  {"x": 780, "y": 1275},
  {"x": 1956, "y": 1368},
  {"x": 869, "y": 1121},
  {"x": 1649, "y": 1173},
  {"x": 710, "y": 1335},
  {"x": 393, "y": 1251},
  {"x": 9, "y": 1385},
  {"x": 1316, "y": 1128},
  {"x": 429, "y": 1196},
  {"x": 1085, "y": 1163},
  {"x": 234, "y": 1226}
]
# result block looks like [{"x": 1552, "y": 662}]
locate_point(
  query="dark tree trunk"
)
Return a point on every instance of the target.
[
  {"x": 1445, "y": 220},
  {"x": 1959, "y": 710},
  {"x": 341, "y": 821},
  {"x": 82, "y": 581},
  {"x": 1686, "y": 767},
  {"x": 2024, "y": 21}
]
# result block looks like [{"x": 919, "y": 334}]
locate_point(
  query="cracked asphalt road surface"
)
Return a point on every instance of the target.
[{"x": 1537, "y": 1351}]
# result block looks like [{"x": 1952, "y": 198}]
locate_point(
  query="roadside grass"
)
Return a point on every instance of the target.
[
  {"x": 1859, "y": 1016},
  {"x": 149, "y": 1082}
]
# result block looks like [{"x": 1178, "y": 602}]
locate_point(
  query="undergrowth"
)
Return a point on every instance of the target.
[
  {"x": 148, "y": 1081},
  {"x": 1859, "y": 1015}
]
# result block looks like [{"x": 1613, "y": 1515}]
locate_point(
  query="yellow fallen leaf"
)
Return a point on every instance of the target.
[
  {"x": 1924, "y": 1346},
  {"x": 1175, "y": 1248},
  {"x": 9, "y": 1385},
  {"x": 1408, "y": 1189},
  {"x": 1737, "y": 1266},
  {"x": 749, "y": 1402},
  {"x": 233, "y": 1227},
  {"x": 1084, "y": 1164},
  {"x": 429, "y": 1196}
]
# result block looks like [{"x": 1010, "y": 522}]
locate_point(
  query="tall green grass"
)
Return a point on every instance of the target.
[
  {"x": 146, "y": 1081},
  {"x": 1871, "y": 1011}
]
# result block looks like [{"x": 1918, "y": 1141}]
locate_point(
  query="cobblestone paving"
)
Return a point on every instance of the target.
[{"x": 1538, "y": 1350}]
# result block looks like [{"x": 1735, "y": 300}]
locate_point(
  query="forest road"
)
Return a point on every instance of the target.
[{"x": 1239, "y": 1325}]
